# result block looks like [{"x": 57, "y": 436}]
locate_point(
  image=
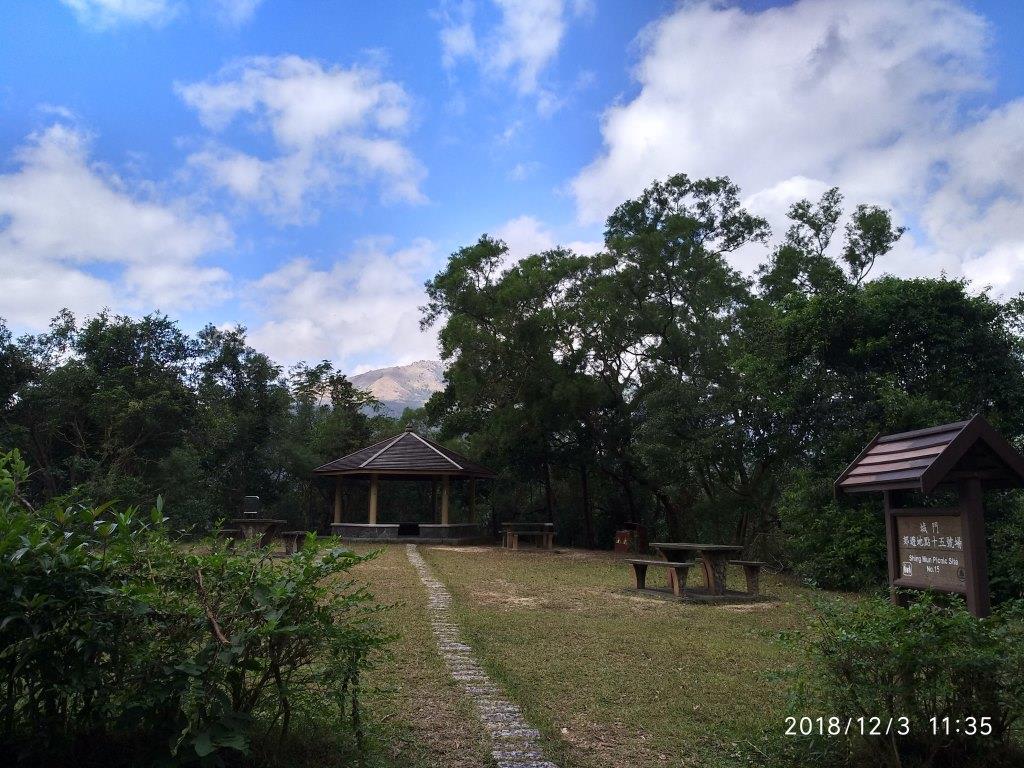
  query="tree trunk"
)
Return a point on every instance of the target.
[
  {"x": 627, "y": 485},
  {"x": 588, "y": 512},
  {"x": 741, "y": 528},
  {"x": 549, "y": 493},
  {"x": 672, "y": 517}
]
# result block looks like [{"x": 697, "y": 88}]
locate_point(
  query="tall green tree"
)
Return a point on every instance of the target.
[
  {"x": 705, "y": 403},
  {"x": 99, "y": 405},
  {"x": 513, "y": 381},
  {"x": 124, "y": 408}
]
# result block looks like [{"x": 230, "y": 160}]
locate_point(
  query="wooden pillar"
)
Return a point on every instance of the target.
[
  {"x": 472, "y": 499},
  {"x": 337, "y": 501},
  {"x": 972, "y": 521},
  {"x": 445, "y": 492},
  {"x": 373, "y": 500},
  {"x": 892, "y": 545}
]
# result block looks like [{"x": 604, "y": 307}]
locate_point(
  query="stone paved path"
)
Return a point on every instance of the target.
[{"x": 514, "y": 744}]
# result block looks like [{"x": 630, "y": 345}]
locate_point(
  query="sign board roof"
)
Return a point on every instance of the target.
[{"x": 924, "y": 459}]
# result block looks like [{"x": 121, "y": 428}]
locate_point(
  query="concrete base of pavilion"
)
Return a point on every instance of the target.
[{"x": 414, "y": 533}]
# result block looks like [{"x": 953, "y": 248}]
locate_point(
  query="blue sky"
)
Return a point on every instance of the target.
[{"x": 302, "y": 168}]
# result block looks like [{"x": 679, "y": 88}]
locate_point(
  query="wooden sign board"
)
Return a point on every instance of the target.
[
  {"x": 929, "y": 547},
  {"x": 931, "y": 552}
]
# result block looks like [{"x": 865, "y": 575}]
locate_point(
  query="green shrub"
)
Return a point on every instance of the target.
[
  {"x": 927, "y": 662},
  {"x": 113, "y": 634},
  {"x": 836, "y": 545},
  {"x": 1004, "y": 524},
  {"x": 831, "y": 545}
]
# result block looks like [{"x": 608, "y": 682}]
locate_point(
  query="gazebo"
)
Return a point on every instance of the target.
[{"x": 406, "y": 456}]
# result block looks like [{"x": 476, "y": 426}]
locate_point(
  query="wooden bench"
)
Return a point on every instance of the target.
[
  {"x": 292, "y": 541},
  {"x": 544, "y": 533},
  {"x": 680, "y": 570},
  {"x": 752, "y": 572},
  {"x": 545, "y": 539},
  {"x": 232, "y": 535}
]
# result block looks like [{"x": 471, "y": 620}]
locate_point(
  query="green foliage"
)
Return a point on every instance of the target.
[
  {"x": 832, "y": 545},
  {"x": 930, "y": 660},
  {"x": 124, "y": 408},
  {"x": 653, "y": 382},
  {"x": 1004, "y": 523},
  {"x": 113, "y": 634}
]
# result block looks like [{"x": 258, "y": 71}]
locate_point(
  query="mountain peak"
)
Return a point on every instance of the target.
[{"x": 402, "y": 386}]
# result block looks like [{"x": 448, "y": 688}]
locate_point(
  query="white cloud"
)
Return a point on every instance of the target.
[
  {"x": 234, "y": 13},
  {"x": 511, "y": 132},
  {"x": 527, "y": 39},
  {"x": 458, "y": 40},
  {"x": 527, "y": 235},
  {"x": 524, "y": 236},
  {"x": 330, "y": 127},
  {"x": 523, "y": 171},
  {"x": 519, "y": 47},
  {"x": 877, "y": 97},
  {"x": 61, "y": 216},
  {"x": 105, "y": 14},
  {"x": 978, "y": 207},
  {"x": 108, "y": 13},
  {"x": 361, "y": 309}
]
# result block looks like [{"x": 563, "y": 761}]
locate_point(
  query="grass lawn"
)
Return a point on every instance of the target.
[
  {"x": 419, "y": 717},
  {"x": 610, "y": 677}
]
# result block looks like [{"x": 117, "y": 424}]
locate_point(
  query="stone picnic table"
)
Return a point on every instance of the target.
[
  {"x": 511, "y": 533},
  {"x": 714, "y": 559}
]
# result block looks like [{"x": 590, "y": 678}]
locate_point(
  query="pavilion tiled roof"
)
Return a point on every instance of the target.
[
  {"x": 408, "y": 453},
  {"x": 925, "y": 458}
]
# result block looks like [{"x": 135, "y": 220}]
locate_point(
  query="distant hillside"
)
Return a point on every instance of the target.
[{"x": 403, "y": 386}]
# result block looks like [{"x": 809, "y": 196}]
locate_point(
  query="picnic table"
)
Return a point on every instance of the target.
[
  {"x": 713, "y": 557},
  {"x": 544, "y": 533},
  {"x": 262, "y": 528}
]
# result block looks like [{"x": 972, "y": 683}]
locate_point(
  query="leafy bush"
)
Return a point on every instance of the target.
[
  {"x": 830, "y": 545},
  {"x": 842, "y": 545},
  {"x": 929, "y": 661},
  {"x": 112, "y": 633},
  {"x": 1004, "y": 524}
]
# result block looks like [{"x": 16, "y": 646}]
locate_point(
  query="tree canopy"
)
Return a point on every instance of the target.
[
  {"x": 654, "y": 382},
  {"x": 651, "y": 382}
]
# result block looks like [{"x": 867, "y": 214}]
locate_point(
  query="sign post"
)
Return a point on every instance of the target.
[
  {"x": 937, "y": 548},
  {"x": 972, "y": 508},
  {"x": 932, "y": 548}
]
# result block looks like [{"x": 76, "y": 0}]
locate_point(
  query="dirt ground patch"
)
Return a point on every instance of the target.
[
  {"x": 503, "y": 598},
  {"x": 615, "y": 742},
  {"x": 767, "y": 605}
]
